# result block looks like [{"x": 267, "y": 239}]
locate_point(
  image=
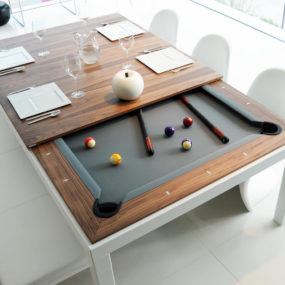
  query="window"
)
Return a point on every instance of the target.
[
  {"x": 268, "y": 11},
  {"x": 266, "y": 16}
]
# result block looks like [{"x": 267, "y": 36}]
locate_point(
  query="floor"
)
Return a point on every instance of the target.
[{"x": 219, "y": 242}]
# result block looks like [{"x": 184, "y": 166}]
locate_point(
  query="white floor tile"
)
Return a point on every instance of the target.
[
  {"x": 19, "y": 182},
  {"x": 271, "y": 272},
  {"x": 35, "y": 241},
  {"x": 226, "y": 216},
  {"x": 157, "y": 255},
  {"x": 205, "y": 270},
  {"x": 250, "y": 254},
  {"x": 8, "y": 140}
]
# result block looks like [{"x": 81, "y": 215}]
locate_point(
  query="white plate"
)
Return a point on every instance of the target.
[
  {"x": 38, "y": 100},
  {"x": 14, "y": 57},
  {"x": 165, "y": 59},
  {"x": 120, "y": 29}
]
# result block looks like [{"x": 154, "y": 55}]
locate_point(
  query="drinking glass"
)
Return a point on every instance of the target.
[
  {"x": 39, "y": 30},
  {"x": 126, "y": 43},
  {"x": 73, "y": 67}
]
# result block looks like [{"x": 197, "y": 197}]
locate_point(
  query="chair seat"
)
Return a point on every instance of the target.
[{"x": 36, "y": 244}]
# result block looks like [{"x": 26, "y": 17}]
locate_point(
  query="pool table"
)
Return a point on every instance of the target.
[
  {"x": 111, "y": 186},
  {"x": 149, "y": 191},
  {"x": 109, "y": 206}
]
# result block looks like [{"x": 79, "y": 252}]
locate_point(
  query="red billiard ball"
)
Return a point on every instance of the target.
[
  {"x": 90, "y": 142},
  {"x": 187, "y": 122}
]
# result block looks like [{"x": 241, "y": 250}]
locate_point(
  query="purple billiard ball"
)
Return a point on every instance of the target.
[{"x": 169, "y": 131}]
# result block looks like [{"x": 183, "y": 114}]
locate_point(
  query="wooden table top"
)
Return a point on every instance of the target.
[{"x": 99, "y": 103}]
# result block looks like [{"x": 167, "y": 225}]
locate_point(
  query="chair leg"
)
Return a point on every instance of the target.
[
  {"x": 258, "y": 187},
  {"x": 279, "y": 216}
]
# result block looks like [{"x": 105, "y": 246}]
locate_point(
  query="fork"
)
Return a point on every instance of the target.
[
  {"x": 146, "y": 51},
  {"x": 43, "y": 114},
  {"x": 51, "y": 115},
  {"x": 109, "y": 23},
  {"x": 12, "y": 70},
  {"x": 181, "y": 68},
  {"x": 21, "y": 90}
]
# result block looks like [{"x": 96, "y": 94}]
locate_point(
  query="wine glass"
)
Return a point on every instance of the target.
[
  {"x": 82, "y": 11},
  {"x": 126, "y": 42},
  {"x": 73, "y": 67},
  {"x": 39, "y": 30}
]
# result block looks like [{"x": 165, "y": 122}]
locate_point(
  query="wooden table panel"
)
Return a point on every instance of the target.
[{"x": 99, "y": 103}]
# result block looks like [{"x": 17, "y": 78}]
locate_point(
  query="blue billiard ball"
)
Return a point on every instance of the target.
[{"x": 169, "y": 131}]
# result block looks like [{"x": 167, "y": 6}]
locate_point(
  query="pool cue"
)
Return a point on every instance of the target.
[
  {"x": 147, "y": 140},
  {"x": 213, "y": 128}
]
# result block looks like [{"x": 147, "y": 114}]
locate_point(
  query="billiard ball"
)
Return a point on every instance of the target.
[
  {"x": 90, "y": 142},
  {"x": 115, "y": 159},
  {"x": 186, "y": 144},
  {"x": 169, "y": 131},
  {"x": 187, "y": 122}
]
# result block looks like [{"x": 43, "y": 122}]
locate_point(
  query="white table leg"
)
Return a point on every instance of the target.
[
  {"x": 104, "y": 269},
  {"x": 279, "y": 216}
]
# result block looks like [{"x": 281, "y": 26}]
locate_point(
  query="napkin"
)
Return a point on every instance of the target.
[
  {"x": 121, "y": 29},
  {"x": 14, "y": 57},
  {"x": 165, "y": 59},
  {"x": 38, "y": 100}
]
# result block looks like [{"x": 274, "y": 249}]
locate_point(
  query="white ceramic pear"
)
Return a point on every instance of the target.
[{"x": 127, "y": 84}]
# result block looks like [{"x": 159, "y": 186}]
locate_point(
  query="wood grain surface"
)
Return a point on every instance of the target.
[
  {"x": 80, "y": 202},
  {"x": 99, "y": 103}
]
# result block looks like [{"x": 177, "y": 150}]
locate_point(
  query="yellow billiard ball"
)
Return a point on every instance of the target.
[
  {"x": 115, "y": 159},
  {"x": 186, "y": 144}
]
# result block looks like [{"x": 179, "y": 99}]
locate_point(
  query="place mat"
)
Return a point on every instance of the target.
[
  {"x": 38, "y": 100},
  {"x": 165, "y": 59},
  {"x": 14, "y": 57},
  {"x": 121, "y": 29}
]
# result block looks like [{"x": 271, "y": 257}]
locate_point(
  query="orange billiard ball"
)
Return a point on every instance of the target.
[{"x": 115, "y": 159}]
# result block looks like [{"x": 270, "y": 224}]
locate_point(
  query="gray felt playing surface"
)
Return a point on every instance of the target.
[{"x": 139, "y": 172}]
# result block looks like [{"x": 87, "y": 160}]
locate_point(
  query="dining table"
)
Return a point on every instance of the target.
[{"x": 109, "y": 206}]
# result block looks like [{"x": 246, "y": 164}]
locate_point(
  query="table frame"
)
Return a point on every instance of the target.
[{"x": 99, "y": 253}]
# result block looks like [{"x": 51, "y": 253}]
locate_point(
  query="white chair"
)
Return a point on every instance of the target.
[
  {"x": 36, "y": 244},
  {"x": 213, "y": 51},
  {"x": 268, "y": 89},
  {"x": 164, "y": 25}
]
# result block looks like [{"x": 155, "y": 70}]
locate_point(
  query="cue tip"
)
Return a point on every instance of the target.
[{"x": 225, "y": 139}]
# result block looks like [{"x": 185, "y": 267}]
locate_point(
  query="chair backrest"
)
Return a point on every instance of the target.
[
  {"x": 268, "y": 88},
  {"x": 213, "y": 51},
  {"x": 164, "y": 25}
]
